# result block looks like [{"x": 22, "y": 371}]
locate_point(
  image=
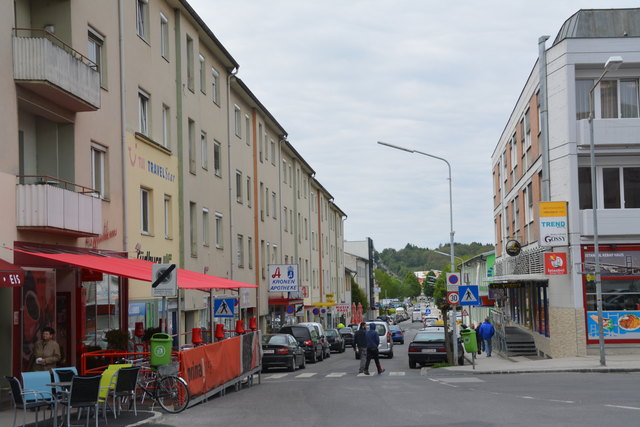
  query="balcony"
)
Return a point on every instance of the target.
[
  {"x": 611, "y": 222},
  {"x": 46, "y": 66},
  {"x": 610, "y": 133},
  {"x": 52, "y": 205}
]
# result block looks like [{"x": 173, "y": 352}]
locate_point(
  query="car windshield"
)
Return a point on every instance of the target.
[
  {"x": 299, "y": 333},
  {"x": 331, "y": 333},
  {"x": 395, "y": 328},
  {"x": 275, "y": 340},
  {"x": 429, "y": 337},
  {"x": 345, "y": 330}
]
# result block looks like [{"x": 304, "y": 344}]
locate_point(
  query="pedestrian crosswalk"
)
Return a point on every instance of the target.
[{"x": 279, "y": 376}]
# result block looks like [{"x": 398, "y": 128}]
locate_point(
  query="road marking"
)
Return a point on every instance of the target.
[
  {"x": 527, "y": 397},
  {"x": 275, "y": 376},
  {"x": 561, "y": 401},
  {"x": 623, "y": 407},
  {"x": 397, "y": 374},
  {"x": 461, "y": 380},
  {"x": 306, "y": 375},
  {"x": 336, "y": 374}
]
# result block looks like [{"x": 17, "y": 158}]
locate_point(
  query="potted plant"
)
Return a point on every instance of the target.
[
  {"x": 148, "y": 333},
  {"x": 117, "y": 339}
]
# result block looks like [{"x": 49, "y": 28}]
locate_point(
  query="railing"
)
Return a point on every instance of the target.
[
  {"x": 57, "y": 182},
  {"x": 499, "y": 321},
  {"x": 530, "y": 261},
  {"x": 42, "y": 33}
]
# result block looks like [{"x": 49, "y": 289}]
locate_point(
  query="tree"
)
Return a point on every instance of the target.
[
  {"x": 358, "y": 295},
  {"x": 429, "y": 283},
  {"x": 411, "y": 284}
]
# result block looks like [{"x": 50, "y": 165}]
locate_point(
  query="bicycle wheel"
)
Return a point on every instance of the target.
[{"x": 172, "y": 394}]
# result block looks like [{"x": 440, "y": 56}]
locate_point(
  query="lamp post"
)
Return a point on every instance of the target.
[
  {"x": 451, "y": 233},
  {"x": 446, "y": 254},
  {"x": 612, "y": 64}
]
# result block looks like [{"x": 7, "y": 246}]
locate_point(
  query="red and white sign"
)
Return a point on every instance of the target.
[
  {"x": 343, "y": 308},
  {"x": 453, "y": 298},
  {"x": 555, "y": 263},
  {"x": 305, "y": 292},
  {"x": 465, "y": 312}
]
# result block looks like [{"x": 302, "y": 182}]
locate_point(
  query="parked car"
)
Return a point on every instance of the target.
[
  {"x": 347, "y": 334},
  {"x": 282, "y": 350},
  {"x": 336, "y": 342},
  {"x": 323, "y": 338},
  {"x": 430, "y": 320},
  {"x": 397, "y": 334},
  {"x": 385, "y": 348},
  {"x": 428, "y": 347},
  {"x": 308, "y": 339}
]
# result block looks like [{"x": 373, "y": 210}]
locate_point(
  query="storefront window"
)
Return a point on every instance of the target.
[
  {"x": 617, "y": 295},
  {"x": 101, "y": 302}
]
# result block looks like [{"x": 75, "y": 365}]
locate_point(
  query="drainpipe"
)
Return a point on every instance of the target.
[
  {"x": 544, "y": 124},
  {"x": 282, "y": 139},
  {"x": 229, "y": 77},
  {"x": 123, "y": 133}
]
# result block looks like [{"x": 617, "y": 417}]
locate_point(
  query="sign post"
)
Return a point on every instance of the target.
[{"x": 164, "y": 283}]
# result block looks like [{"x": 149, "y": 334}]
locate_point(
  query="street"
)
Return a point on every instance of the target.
[{"x": 330, "y": 392}]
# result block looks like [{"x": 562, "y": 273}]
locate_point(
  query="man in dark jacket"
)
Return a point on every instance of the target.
[
  {"x": 373, "y": 340},
  {"x": 360, "y": 345},
  {"x": 486, "y": 333}
]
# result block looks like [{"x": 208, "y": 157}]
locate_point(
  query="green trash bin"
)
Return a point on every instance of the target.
[
  {"x": 469, "y": 340},
  {"x": 160, "y": 349}
]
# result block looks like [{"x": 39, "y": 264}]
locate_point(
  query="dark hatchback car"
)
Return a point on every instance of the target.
[
  {"x": 282, "y": 350},
  {"x": 397, "y": 334},
  {"x": 336, "y": 342},
  {"x": 347, "y": 334},
  {"x": 428, "y": 347},
  {"x": 308, "y": 339}
]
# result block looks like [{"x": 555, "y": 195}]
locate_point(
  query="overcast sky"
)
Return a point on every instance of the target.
[{"x": 438, "y": 76}]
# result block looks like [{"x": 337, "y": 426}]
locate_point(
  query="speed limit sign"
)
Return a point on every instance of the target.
[{"x": 453, "y": 298}]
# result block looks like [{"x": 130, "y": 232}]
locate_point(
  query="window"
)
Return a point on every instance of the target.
[
  {"x": 527, "y": 128},
  {"x": 95, "y": 52},
  {"x": 618, "y": 187},
  {"x": 628, "y": 98},
  {"x": 261, "y": 201},
  {"x": 240, "y": 251},
  {"x": 164, "y": 37},
  {"x": 145, "y": 211},
  {"x": 516, "y": 214},
  {"x": 217, "y": 158},
  {"x": 168, "y": 217},
  {"x": 203, "y": 77},
  {"x": 262, "y": 260},
  {"x": 166, "y": 125},
  {"x": 249, "y": 253},
  {"x": 609, "y": 99},
  {"x": 205, "y": 227},
  {"x": 514, "y": 152},
  {"x": 204, "y": 151},
  {"x": 237, "y": 125},
  {"x": 249, "y": 188},
  {"x": 274, "y": 210},
  {"x": 266, "y": 149},
  {"x": 266, "y": 200},
  {"x": 99, "y": 169},
  {"x": 247, "y": 129},
  {"x": 192, "y": 146},
  {"x": 611, "y": 188},
  {"x": 529, "y": 202},
  {"x": 190, "y": 71},
  {"x": 142, "y": 18},
  {"x": 143, "y": 112},
  {"x": 219, "y": 239},
  {"x": 239, "y": 186},
  {"x": 285, "y": 219},
  {"x": 290, "y": 175},
  {"x": 284, "y": 171},
  {"x": 215, "y": 86},
  {"x": 260, "y": 141},
  {"x": 582, "y": 98},
  {"x": 306, "y": 230},
  {"x": 274, "y": 259},
  {"x": 584, "y": 188},
  {"x": 193, "y": 229},
  {"x": 503, "y": 165},
  {"x": 619, "y": 98},
  {"x": 273, "y": 153}
]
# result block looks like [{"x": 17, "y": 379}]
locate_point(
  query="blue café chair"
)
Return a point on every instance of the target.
[
  {"x": 37, "y": 382},
  {"x": 28, "y": 399}
]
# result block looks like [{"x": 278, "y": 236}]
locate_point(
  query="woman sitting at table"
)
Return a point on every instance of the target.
[{"x": 46, "y": 352}]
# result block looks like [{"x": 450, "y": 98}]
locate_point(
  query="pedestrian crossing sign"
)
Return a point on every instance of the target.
[
  {"x": 469, "y": 295},
  {"x": 224, "y": 307}
]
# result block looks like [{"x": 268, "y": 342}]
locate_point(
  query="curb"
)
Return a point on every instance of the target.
[
  {"x": 552, "y": 371},
  {"x": 155, "y": 417}
]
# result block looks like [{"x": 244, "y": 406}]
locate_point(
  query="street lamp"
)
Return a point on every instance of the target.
[
  {"x": 451, "y": 233},
  {"x": 612, "y": 64},
  {"x": 446, "y": 254}
]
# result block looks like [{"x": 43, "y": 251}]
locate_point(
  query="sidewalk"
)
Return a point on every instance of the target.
[
  {"x": 125, "y": 418},
  {"x": 498, "y": 364}
]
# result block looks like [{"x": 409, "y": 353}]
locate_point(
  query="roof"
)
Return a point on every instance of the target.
[{"x": 601, "y": 23}]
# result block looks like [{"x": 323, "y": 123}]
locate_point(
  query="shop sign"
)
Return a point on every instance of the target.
[
  {"x": 343, "y": 308},
  {"x": 617, "y": 325},
  {"x": 554, "y": 229},
  {"x": 283, "y": 277},
  {"x": 305, "y": 291},
  {"x": 513, "y": 248},
  {"x": 555, "y": 263}
]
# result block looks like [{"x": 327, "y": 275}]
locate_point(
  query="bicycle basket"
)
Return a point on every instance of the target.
[{"x": 170, "y": 369}]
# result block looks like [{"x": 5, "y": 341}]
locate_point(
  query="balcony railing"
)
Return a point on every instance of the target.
[
  {"x": 47, "y": 66},
  {"x": 50, "y": 204}
]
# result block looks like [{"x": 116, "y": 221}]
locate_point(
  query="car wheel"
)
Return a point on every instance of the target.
[
  {"x": 328, "y": 355},
  {"x": 390, "y": 355},
  {"x": 321, "y": 357},
  {"x": 314, "y": 358},
  {"x": 303, "y": 364},
  {"x": 292, "y": 365},
  {"x": 412, "y": 364},
  {"x": 402, "y": 342},
  {"x": 344, "y": 347}
]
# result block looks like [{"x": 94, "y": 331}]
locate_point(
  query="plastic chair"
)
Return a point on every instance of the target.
[
  {"x": 125, "y": 386},
  {"x": 64, "y": 374},
  {"x": 83, "y": 394},
  {"x": 37, "y": 382},
  {"x": 107, "y": 382},
  {"x": 29, "y": 400}
]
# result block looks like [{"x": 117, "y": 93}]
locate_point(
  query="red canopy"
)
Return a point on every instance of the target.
[{"x": 141, "y": 270}]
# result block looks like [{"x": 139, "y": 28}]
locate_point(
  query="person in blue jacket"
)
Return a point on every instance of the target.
[
  {"x": 486, "y": 332},
  {"x": 373, "y": 340}
]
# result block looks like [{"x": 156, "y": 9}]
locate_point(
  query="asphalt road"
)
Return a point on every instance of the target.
[{"x": 331, "y": 393}]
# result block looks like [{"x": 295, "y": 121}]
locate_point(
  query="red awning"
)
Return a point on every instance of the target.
[
  {"x": 141, "y": 270},
  {"x": 10, "y": 275}
]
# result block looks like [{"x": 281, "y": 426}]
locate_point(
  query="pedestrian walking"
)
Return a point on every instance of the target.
[
  {"x": 373, "y": 341},
  {"x": 479, "y": 340},
  {"x": 486, "y": 332},
  {"x": 360, "y": 345}
]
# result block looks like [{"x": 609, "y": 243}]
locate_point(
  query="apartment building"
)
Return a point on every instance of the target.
[
  {"x": 131, "y": 136},
  {"x": 547, "y": 288}
]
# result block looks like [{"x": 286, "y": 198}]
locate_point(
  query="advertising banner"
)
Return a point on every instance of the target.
[
  {"x": 617, "y": 325},
  {"x": 555, "y": 263},
  {"x": 554, "y": 230},
  {"x": 283, "y": 277}
]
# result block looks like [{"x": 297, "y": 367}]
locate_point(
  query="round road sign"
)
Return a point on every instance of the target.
[
  {"x": 453, "y": 298},
  {"x": 290, "y": 309}
]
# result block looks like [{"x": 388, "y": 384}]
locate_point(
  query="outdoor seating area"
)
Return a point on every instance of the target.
[{"x": 61, "y": 397}]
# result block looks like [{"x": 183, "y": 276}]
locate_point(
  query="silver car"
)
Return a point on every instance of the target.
[{"x": 385, "y": 348}]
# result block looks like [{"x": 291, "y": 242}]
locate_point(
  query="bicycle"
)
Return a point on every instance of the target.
[{"x": 163, "y": 385}]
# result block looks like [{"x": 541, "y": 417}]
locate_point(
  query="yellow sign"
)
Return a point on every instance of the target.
[
  {"x": 329, "y": 295},
  {"x": 553, "y": 209},
  {"x": 324, "y": 304}
]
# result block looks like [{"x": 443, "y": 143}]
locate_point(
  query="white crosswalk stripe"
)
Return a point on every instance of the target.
[
  {"x": 306, "y": 375},
  {"x": 336, "y": 374},
  {"x": 397, "y": 374},
  {"x": 342, "y": 374},
  {"x": 275, "y": 376}
]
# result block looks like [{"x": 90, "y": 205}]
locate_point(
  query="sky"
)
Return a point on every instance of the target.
[{"x": 441, "y": 77}]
